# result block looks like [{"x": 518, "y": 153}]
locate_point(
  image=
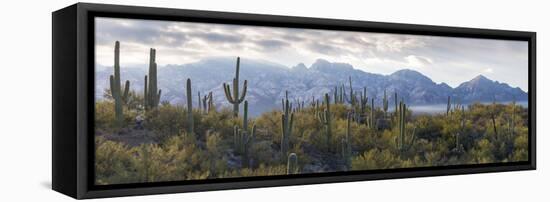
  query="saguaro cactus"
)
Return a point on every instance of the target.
[
  {"x": 245, "y": 115},
  {"x": 190, "y": 127},
  {"x": 243, "y": 142},
  {"x": 199, "y": 101},
  {"x": 339, "y": 95},
  {"x": 385, "y": 103},
  {"x": 118, "y": 96},
  {"x": 151, "y": 95},
  {"x": 235, "y": 99},
  {"x": 493, "y": 117},
  {"x": 458, "y": 146},
  {"x": 463, "y": 120},
  {"x": 292, "y": 164},
  {"x": 448, "y": 105},
  {"x": 402, "y": 143},
  {"x": 326, "y": 119},
  {"x": 351, "y": 100},
  {"x": 511, "y": 121},
  {"x": 371, "y": 120},
  {"x": 395, "y": 100},
  {"x": 287, "y": 119},
  {"x": 363, "y": 100},
  {"x": 207, "y": 103},
  {"x": 346, "y": 143}
]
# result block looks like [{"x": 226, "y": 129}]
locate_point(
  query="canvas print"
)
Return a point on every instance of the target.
[{"x": 180, "y": 101}]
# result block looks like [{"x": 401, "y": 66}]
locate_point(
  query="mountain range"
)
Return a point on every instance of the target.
[{"x": 268, "y": 81}]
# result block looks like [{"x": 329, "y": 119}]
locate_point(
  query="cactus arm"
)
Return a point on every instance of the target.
[
  {"x": 244, "y": 91},
  {"x": 126, "y": 91},
  {"x": 227, "y": 92}
]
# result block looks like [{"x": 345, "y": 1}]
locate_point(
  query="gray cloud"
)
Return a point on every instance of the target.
[
  {"x": 271, "y": 45},
  {"x": 138, "y": 31},
  {"x": 218, "y": 38},
  {"x": 444, "y": 59},
  {"x": 326, "y": 49}
]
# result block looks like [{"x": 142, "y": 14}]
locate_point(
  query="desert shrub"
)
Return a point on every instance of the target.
[
  {"x": 262, "y": 152},
  {"x": 208, "y": 153},
  {"x": 166, "y": 121},
  {"x": 262, "y": 170},
  {"x": 104, "y": 115},
  {"x": 375, "y": 159},
  {"x": 114, "y": 163}
]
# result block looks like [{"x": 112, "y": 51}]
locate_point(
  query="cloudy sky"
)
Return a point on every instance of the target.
[{"x": 444, "y": 59}]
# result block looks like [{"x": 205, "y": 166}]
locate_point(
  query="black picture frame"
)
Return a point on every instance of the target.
[{"x": 73, "y": 109}]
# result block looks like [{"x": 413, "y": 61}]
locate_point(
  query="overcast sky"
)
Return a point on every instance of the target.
[{"x": 444, "y": 59}]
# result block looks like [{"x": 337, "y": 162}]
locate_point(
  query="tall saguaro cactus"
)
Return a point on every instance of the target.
[
  {"x": 395, "y": 100},
  {"x": 243, "y": 143},
  {"x": 287, "y": 120},
  {"x": 191, "y": 127},
  {"x": 458, "y": 146},
  {"x": 448, "y": 105},
  {"x": 363, "y": 100},
  {"x": 371, "y": 120},
  {"x": 243, "y": 140},
  {"x": 346, "y": 143},
  {"x": 234, "y": 98},
  {"x": 151, "y": 94},
  {"x": 339, "y": 95},
  {"x": 207, "y": 103},
  {"x": 385, "y": 103},
  {"x": 352, "y": 98},
  {"x": 326, "y": 119},
  {"x": 116, "y": 91},
  {"x": 511, "y": 121},
  {"x": 402, "y": 143}
]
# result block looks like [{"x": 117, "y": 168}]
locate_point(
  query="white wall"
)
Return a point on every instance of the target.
[{"x": 25, "y": 101}]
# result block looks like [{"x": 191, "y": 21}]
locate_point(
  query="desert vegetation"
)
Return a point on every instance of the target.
[{"x": 139, "y": 138}]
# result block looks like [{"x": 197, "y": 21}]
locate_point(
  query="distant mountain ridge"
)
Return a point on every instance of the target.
[{"x": 268, "y": 81}]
